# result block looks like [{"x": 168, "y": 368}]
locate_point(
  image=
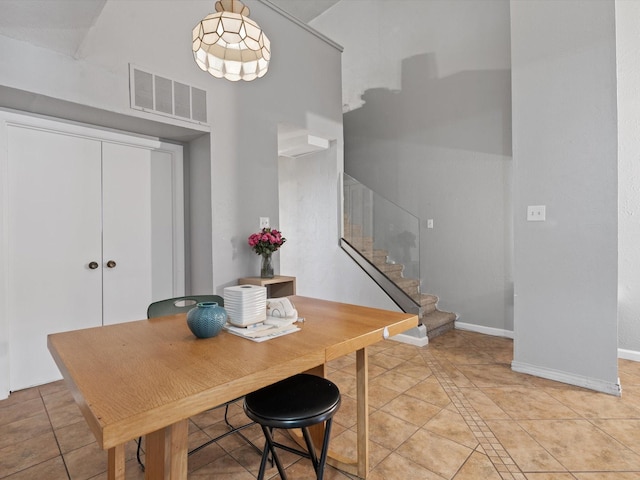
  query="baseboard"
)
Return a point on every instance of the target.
[
  {"x": 408, "y": 339},
  {"x": 496, "y": 332},
  {"x": 633, "y": 355},
  {"x": 418, "y": 341},
  {"x": 606, "y": 387},
  {"x": 629, "y": 354},
  {"x": 571, "y": 379}
]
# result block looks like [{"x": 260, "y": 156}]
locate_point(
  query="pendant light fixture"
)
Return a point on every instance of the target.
[{"x": 228, "y": 44}]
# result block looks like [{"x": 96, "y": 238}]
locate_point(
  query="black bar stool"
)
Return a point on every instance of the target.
[{"x": 295, "y": 402}]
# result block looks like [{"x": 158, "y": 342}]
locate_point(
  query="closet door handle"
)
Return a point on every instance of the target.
[
  {"x": 111, "y": 264},
  {"x": 93, "y": 265}
]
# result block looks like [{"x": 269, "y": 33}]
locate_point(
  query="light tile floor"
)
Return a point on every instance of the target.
[{"x": 451, "y": 410}]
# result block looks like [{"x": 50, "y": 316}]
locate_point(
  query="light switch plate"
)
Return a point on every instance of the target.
[{"x": 536, "y": 213}]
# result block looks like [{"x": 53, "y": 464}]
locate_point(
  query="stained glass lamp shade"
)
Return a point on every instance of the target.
[{"x": 228, "y": 44}]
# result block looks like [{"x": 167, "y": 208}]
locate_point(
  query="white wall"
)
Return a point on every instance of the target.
[
  {"x": 242, "y": 116},
  {"x": 426, "y": 89},
  {"x": 565, "y": 157},
  {"x": 312, "y": 232},
  {"x": 240, "y": 167},
  {"x": 628, "y": 62}
]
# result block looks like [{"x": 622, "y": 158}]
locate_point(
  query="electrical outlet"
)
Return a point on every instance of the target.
[
  {"x": 430, "y": 223},
  {"x": 536, "y": 213},
  {"x": 264, "y": 222}
]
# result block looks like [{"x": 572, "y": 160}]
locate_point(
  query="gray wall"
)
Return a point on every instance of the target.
[
  {"x": 428, "y": 126},
  {"x": 234, "y": 168},
  {"x": 628, "y": 61},
  {"x": 198, "y": 219},
  {"x": 565, "y": 157}
]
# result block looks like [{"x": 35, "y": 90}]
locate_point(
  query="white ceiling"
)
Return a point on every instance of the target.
[
  {"x": 305, "y": 10},
  {"x": 61, "y": 25}
]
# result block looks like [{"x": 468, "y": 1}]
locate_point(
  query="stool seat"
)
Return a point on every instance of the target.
[
  {"x": 299, "y": 401},
  {"x": 295, "y": 402}
]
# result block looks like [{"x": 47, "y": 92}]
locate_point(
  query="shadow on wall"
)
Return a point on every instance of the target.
[
  {"x": 469, "y": 110},
  {"x": 440, "y": 148}
]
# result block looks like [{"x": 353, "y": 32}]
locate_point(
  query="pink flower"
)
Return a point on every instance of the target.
[
  {"x": 266, "y": 241},
  {"x": 253, "y": 240}
]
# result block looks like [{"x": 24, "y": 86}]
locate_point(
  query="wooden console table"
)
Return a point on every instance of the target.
[
  {"x": 278, "y": 286},
  {"x": 148, "y": 377}
]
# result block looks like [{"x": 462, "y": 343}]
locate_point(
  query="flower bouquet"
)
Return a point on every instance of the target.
[{"x": 264, "y": 243}]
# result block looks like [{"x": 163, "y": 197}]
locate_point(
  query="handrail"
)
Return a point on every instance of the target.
[{"x": 384, "y": 234}]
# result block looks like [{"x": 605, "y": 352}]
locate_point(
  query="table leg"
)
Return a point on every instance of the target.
[
  {"x": 360, "y": 466},
  {"x": 166, "y": 452},
  {"x": 362, "y": 389},
  {"x": 115, "y": 463},
  {"x": 316, "y": 431}
]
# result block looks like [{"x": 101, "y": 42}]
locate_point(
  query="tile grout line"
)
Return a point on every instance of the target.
[
  {"x": 497, "y": 454},
  {"x": 55, "y": 435}
]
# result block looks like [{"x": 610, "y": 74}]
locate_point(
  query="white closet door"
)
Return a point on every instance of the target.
[
  {"x": 126, "y": 213},
  {"x": 54, "y": 234}
]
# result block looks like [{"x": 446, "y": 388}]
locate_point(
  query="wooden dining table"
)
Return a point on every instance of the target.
[{"x": 148, "y": 377}]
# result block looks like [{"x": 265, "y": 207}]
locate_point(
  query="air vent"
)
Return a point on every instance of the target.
[{"x": 161, "y": 95}]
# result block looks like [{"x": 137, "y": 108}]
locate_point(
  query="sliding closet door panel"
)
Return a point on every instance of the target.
[
  {"x": 54, "y": 236},
  {"x": 126, "y": 217}
]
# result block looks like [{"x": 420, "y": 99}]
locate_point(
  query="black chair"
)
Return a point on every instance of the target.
[
  {"x": 172, "y": 306},
  {"x": 295, "y": 402}
]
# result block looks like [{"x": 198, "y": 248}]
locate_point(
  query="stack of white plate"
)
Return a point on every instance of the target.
[{"x": 245, "y": 304}]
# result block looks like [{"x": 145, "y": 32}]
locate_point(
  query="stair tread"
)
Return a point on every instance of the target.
[
  {"x": 427, "y": 298},
  {"x": 387, "y": 267},
  {"x": 437, "y": 319}
]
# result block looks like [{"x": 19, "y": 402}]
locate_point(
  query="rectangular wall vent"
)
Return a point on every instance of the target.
[{"x": 161, "y": 95}]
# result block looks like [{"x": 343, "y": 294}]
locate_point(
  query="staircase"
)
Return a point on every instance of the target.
[{"x": 436, "y": 322}]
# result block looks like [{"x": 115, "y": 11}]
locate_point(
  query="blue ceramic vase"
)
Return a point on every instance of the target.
[{"x": 206, "y": 319}]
